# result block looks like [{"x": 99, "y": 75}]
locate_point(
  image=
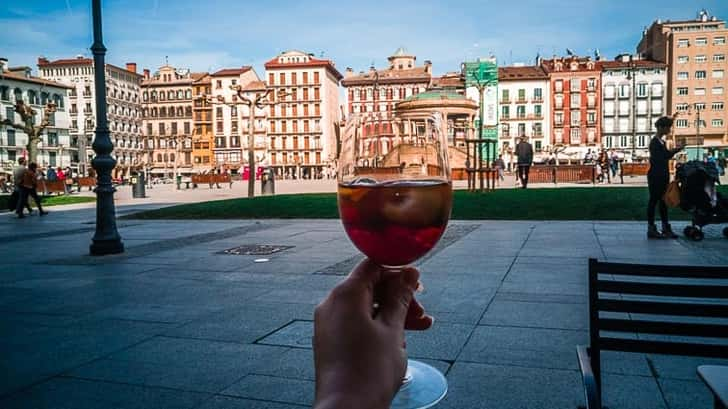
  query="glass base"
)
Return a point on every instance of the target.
[{"x": 423, "y": 387}]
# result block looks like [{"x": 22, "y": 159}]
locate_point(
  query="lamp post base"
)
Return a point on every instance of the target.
[{"x": 106, "y": 247}]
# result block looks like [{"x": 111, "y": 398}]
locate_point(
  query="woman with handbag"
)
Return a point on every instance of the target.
[{"x": 658, "y": 177}]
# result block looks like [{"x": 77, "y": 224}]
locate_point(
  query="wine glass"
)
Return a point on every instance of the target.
[{"x": 395, "y": 197}]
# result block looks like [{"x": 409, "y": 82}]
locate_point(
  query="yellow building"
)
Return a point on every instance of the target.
[{"x": 203, "y": 140}]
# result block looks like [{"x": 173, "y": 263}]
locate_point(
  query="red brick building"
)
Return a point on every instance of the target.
[{"x": 575, "y": 102}]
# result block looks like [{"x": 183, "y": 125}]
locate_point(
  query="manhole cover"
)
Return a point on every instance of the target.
[{"x": 255, "y": 250}]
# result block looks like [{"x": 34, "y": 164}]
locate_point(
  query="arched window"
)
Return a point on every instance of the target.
[
  {"x": 171, "y": 157},
  {"x": 180, "y": 111},
  {"x": 188, "y": 111},
  {"x": 32, "y": 97},
  {"x": 145, "y": 96},
  {"x": 154, "y": 96},
  {"x": 180, "y": 94},
  {"x": 166, "y": 158},
  {"x": 161, "y": 95},
  {"x": 154, "y": 112},
  {"x": 18, "y": 94},
  {"x": 170, "y": 94},
  {"x": 58, "y": 100},
  {"x": 162, "y": 112},
  {"x": 159, "y": 157},
  {"x": 188, "y": 94}
]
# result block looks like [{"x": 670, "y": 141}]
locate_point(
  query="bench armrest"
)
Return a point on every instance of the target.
[{"x": 591, "y": 393}]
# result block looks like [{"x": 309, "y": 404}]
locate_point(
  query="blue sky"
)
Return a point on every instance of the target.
[{"x": 208, "y": 35}]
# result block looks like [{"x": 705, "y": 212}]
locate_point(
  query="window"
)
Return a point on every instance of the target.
[
  {"x": 506, "y": 130},
  {"x": 699, "y": 91},
  {"x": 642, "y": 90},
  {"x": 681, "y": 123},
  {"x": 575, "y": 136},
  {"x": 537, "y": 129},
  {"x": 682, "y": 90},
  {"x": 699, "y": 106},
  {"x": 282, "y": 78},
  {"x": 718, "y": 40},
  {"x": 575, "y": 85},
  {"x": 521, "y": 94},
  {"x": 315, "y": 77},
  {"x": 717, "y": 123},
  {"x": 505, "y": 97},
  {"x": 591, "y": 84},
  {"x": 575, "y": 100},
  {"x": 11, "y": 137},
  {"x": 521, "y": 111},
  {"x": 559, "y": 85},
  {"x": 521, "y": 129},
  {"x": 505, "y": 112},
  {"x": 701, "y": 58},
  {"x": 10, "y": 113},
  {"x": 700, "y": 75},
  {"x": 575, "y": 118},
  {"x": 717, "y": 106},
  {"x": 718, "y": 74},
  {"x": 609, "y": 91},
  {"x": 219, "y": 127},
  {"x": 682, "y": 59},
  {"x": 537, "y": 111},
  {"x": 538, "y": 94},
  {"x": 701, "y": 41},
  {"x": 233, "y": 111},
  {"x": 218, "y": 84},
  {"x": 174, "y": 128},
  {"x": 161, "y": 129},
  {"x": 682, "y": 107},
  {"x": 718, "y": 57},
  {"x": 591, "y": 118},
  {"x": 624, "y": 91},
  {"x": 683, "y": 42},
  {"x": 538, "y": 145},
  {"x": 717, "y": 91},
  {"x": 294, "y": 78},
  {"x": 559, "y": 118}
]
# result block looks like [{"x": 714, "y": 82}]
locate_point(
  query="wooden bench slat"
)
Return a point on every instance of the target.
[
  {"x": 664, "y": 308},
  {"x": 671, "y": 290},
  {"x": 664, "y": 327},
  {"x": 663, "y": 271},
  {"x": 663, "y": 347}
]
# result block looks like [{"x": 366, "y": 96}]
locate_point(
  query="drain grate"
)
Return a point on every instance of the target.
[{"x": 255, "y": 250}]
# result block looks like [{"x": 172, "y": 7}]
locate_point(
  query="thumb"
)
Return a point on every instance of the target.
[{"x": 397, "y": 292}]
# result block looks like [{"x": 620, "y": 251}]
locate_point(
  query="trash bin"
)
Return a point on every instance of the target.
[
  {"x": 267, "y": 182},
  {"x": 178, "y": 180},
  {"x": 138, "y": 190}
]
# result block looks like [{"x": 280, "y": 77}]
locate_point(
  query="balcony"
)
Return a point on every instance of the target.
[
  {"x": 642, "y": 95},
  {"x": 591, "y": 88},
  {"x": 505, "y": 101},
  {"x": 559, "y": 105},
  {"x": 559, "y": 89},
  {"x": 559, "y": 123},
  {"x": 537, "y": 100},
  {"x": 520, "y": 100},
  {"x": 505, "y": 116}
]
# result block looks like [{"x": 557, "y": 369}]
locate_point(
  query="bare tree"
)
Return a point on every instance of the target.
[{"x": 34, "y": 132}]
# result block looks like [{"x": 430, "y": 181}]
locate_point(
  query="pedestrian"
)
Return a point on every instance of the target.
[
  {"x": 217, "y": 179},
  {"x": 603, "y": 164},
  {"x": 614, "y": 163},
  {"x": 658, "y": 178},
  {"x": 588, "y": 156},
  {"x": 524, "y": 152},
  {"x": 500, "y": 165},
  {"x": 21, "y": 203},
  {"x": 61, "y": 177},
  {"x": 51, "y": 174},
  {"x": 30, "y": 185}
]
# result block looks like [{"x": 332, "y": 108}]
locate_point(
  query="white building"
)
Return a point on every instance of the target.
[
  {"x": 123, "y": 96},
  {"x": 56, "y": 147},
  {"x": 230, "y": 121},
  {"x": 301, "y": 127},
  {"x": 629, "y": 113},
  {"x": 524, "y": 108}
]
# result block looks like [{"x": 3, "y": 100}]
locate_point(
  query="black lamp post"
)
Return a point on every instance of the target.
[{"x": 106, "y": 240}]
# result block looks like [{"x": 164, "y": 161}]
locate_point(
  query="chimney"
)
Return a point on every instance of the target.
[
  {"x": 428, "y": 66},
  {"x": 146, "y": 73},
  {"x": 349, "y": 72},
  {"x": 3, "y": 64},
  {"x": 131, "y": 66}
]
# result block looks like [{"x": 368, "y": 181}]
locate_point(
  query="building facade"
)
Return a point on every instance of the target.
[
  {"x": 575, "y": 88},
  {"x": 123, "y": 109},
  {"x": 375, "y": 92},
  {"x": 230, "y": 119},
  {"x": 167, "y": 112},
  {"x": 302, "y": 125},
  {"x": 56, "y": 148},
  {"x": 633, "y": 98},
  {"x": 695, "y": 52},
  {"x": 524, "y": 99},
  {"x": 203, "y": 140}
]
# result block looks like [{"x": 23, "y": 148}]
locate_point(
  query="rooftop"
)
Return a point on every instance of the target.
[
  {"x": 521, "y": 73},
  {"x": 618, "y": 64},
  {"x": 231, "y": 72},
  {"x": 419, "y": 74},
  {"x": 19, "y": 74},
  {"x": 300, "y": 59}
]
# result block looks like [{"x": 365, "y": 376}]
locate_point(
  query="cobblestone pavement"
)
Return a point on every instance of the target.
[{"x": 172, "y": 323}]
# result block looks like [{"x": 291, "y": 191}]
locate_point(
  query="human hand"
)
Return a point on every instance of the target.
[{"x": 359, "y": 350}]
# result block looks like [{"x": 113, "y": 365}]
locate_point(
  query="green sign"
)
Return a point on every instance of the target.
[{"x": 483, "y": 72}]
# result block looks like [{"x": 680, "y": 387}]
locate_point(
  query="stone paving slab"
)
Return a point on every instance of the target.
[{"x": 173, "y": 324}]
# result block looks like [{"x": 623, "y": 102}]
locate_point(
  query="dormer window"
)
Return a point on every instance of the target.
[
  {"x": 558, "y": 66},
  {"x": 574, "y": 66}
]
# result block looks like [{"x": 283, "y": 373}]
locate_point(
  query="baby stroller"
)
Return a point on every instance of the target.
[{"x": 700, "y": 198}]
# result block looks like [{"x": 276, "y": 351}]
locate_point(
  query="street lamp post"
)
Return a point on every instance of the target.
[{"x": 106, "y": 240}]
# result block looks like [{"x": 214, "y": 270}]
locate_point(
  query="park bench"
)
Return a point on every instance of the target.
[
  {"x": 562, "y": 174},
  {"x": 633, "y": 169},
  {"x": 85, "y": 182},
  {"x": 210, "y": 179},
  {"x": 49, "y": 187},
  {"x": 682, "y": 311}
]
